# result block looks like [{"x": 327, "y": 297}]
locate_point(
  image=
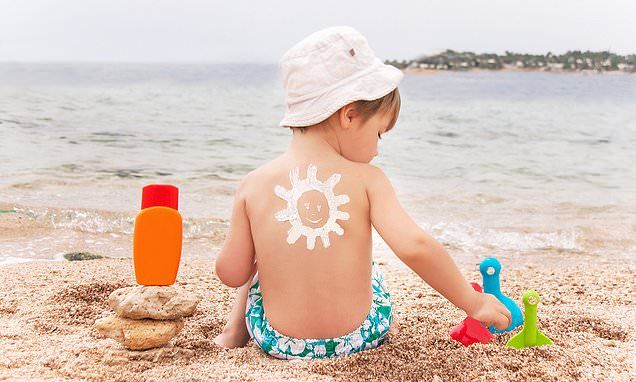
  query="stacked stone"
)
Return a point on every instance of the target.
[{"x": 147, "y": 316}]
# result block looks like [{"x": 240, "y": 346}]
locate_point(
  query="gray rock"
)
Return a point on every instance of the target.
[
  {"x": 156, "y": 302},
  {"x": 79, "y": 256}
]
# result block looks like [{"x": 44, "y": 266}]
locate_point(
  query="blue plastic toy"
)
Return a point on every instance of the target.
[{"x": 490, "y": 268}]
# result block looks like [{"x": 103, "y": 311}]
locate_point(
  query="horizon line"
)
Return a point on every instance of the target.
[{"x": 262, "y": 62}]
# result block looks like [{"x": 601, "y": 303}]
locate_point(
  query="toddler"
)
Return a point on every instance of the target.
[{"x": 299, "y": 242}]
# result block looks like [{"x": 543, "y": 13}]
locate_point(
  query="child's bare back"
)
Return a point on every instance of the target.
[{"x": 324, "y": 291}]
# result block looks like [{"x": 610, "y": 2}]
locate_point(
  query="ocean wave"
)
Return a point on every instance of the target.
[
  {"x": 576, "y": 240},
  {"x": 93, "y": 221},
  {"x": 459, "y": 237},
  {"x": 483, "y": 239}
]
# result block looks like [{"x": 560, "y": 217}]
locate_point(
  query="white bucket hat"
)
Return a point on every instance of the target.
[{"x": 329, "y": 69}]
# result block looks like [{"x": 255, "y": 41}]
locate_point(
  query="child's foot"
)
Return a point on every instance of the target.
[{"x": 230, "y": 338}]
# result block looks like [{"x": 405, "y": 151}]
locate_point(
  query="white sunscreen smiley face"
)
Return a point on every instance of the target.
[{"x": 312, "y": 207}]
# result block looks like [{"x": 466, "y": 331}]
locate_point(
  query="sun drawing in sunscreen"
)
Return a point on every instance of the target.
[{"x": 312, "y": 207}]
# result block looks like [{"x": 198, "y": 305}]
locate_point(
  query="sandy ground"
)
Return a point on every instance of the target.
[{"x": 47, "y": 310}]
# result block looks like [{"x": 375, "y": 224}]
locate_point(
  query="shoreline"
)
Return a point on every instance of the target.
[
  {"x": 517, "y": 70},
  {"x": 30, "y": 233}
]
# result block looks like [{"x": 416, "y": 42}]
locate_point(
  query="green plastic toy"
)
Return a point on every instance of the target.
[{"x": 530, "y": 334}]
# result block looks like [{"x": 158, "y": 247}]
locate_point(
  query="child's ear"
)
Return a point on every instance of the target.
[{"x": 348, "y": 115}]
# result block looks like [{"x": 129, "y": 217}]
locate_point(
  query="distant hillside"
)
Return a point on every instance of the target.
[{"x": 571, "y": 61}]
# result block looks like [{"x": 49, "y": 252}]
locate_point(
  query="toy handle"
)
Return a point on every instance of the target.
[{"x": 530, "y": 298}]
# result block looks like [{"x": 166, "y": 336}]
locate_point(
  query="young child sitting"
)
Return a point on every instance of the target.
[{"x": 299, "y": 242}]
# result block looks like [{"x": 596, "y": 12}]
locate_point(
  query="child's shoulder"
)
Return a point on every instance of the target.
[{"x": 278, "y": 169}]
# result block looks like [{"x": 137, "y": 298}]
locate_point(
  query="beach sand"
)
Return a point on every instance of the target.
[{"x": 47, "y": 309}]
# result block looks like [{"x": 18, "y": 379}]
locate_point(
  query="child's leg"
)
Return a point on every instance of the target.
[{"x": 235, "y": 332}]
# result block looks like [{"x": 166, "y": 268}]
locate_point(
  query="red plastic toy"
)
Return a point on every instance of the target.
[{"x": 470, "y": 330}]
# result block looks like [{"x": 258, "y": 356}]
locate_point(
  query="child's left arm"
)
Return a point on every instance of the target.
[{"x": 235, "y": 262}]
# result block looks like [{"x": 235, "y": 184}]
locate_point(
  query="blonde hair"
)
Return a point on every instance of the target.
[{"x": 367, "y": 109}]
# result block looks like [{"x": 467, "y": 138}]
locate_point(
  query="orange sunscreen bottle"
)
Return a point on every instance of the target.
[{"x": 158, "y": 236}]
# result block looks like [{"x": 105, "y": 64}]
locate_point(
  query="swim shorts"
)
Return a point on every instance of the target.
[{"x": 368, "y": 335}]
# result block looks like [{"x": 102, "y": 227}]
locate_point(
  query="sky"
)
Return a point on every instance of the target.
[{"x": 261, "y": 31}]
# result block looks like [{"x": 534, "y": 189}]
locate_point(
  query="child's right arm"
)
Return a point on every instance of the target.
[
  {"x": 426, "y": 256},
  {"x": 235, "y": 263}
]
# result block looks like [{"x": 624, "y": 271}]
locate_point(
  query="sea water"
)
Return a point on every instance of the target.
[{"x": 496, "y": 163}]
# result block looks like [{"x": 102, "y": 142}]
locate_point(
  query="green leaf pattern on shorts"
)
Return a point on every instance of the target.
[{"x": 367, "y": 336}]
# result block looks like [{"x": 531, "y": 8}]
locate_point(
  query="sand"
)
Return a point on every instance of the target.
[{"x": 47, "y": 310}]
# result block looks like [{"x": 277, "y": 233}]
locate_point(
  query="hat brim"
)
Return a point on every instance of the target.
[{"x": 375, "y": 84}]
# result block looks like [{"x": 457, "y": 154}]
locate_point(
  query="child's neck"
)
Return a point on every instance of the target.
[{"x": 316, "y": 139}]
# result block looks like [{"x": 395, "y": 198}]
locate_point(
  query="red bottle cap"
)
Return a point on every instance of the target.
[{"x": 165, "y": 195}]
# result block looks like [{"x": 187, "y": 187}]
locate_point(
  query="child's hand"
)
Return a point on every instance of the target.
[{"x": 489, "y": 311}]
